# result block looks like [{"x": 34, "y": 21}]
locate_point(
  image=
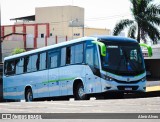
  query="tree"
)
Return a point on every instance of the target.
[
  {"x": 17, "y": 51},
  {"x": 146, "y": 19}
]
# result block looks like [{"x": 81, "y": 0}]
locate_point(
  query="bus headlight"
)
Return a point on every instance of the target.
[
  {"x": 107, "y": 78},
  {"x": 143, "y": 79}
]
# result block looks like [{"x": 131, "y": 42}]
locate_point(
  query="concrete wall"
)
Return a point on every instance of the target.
[
  {"x": 96, "y": 31},
  {"x": 63, "y": 21},
  {"x": 9, "y": 46},
  {"x": 7, "y": 30},
  {"x": 60, "y": 18},
  {"x": 153, "y": 66}
]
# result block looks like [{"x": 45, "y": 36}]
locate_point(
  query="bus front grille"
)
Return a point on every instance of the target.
[
  {"x": 123, "y": 88},
  {"x": 125, "y": 82}
]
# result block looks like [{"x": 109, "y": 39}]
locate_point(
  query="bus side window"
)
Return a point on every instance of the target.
[
  {"x": 19, "y": 65},
  {"x": 96, "y": 62},
  {"x": 63, "y": 56},
  {"x": 10, "y": 68},
  {"x": 68, "y": 55},
  {"x": 78, "y": 53},
  {"x": 54, "y": 59},
  {"x": 26, "y": 60},
  {"x": 92, "y": 56},
  {"x": 43, "y": 61},
  {"x": 35, "y": 62},
  {"x": 89, "y": 56}
]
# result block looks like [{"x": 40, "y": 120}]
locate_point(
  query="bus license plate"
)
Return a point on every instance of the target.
[{"x": 128, "y": 89}]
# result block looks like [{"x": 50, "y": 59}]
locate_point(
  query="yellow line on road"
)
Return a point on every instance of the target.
[{"x": 153, "y": 88}]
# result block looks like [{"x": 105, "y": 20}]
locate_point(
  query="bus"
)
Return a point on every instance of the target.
[{"x": 80, "y": 68}]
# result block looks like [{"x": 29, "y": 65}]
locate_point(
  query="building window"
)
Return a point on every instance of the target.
[
  {"x": 76, "y": 34},
  {"x": 42, "y": 35},
  {"x": 51, "y": 35}
]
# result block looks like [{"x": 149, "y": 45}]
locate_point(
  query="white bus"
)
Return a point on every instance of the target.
[{"x": 80, "y": 68}]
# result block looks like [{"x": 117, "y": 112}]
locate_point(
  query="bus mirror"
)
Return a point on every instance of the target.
[
  {"x": 148, "y": 48},
  {"x": 102, "y": 46}
]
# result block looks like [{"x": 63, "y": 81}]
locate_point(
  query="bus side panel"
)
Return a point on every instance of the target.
[
  {"x": 40, "y": 84},
  {"x": 11, "y": 88},
  {"x": 68, "y": 75},
  {"x": 54, "y": 89},
  {"x": 14, "y": 86},
  {"x": 93, "y": 82}
]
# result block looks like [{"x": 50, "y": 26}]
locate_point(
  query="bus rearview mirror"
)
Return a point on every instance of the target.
[
  {"x": 148, "y": 48},
  {"x": 102, "y": 47}
]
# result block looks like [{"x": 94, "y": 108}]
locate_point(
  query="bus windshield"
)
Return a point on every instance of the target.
[{"x": 123, "y": 59}]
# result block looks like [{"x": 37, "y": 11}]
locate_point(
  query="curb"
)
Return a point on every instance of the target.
[{"x": 152, "y": 88}]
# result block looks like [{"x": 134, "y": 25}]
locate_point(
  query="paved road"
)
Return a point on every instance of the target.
[{"x": 139, "y": 105}]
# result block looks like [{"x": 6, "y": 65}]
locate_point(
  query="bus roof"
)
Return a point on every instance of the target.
[
  {"x": 109, "y": 38},
  {"x": 116, "y": 38},
  {"x": 50, "y": 47}
]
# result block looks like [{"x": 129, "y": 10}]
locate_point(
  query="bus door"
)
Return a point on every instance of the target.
[
  {"x": 93, "y": 73},
  {"x": 53, "y": 77}
]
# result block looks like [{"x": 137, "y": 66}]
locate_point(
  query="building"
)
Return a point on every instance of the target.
[{"x": 49, "y": 25}]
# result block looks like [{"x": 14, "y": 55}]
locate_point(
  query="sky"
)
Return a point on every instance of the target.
[{"x": 98, "y": 13}]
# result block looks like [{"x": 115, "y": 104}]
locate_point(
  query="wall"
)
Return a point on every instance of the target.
[
  {"x": 153, "y": 66},
  {"x": 60, "y": 18},
  {"x": 97, "y": 31},
  {"x": 8, "y": 46}
]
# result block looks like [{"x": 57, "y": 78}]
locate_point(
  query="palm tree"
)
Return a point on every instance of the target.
[{"x": 146, "y": 16}]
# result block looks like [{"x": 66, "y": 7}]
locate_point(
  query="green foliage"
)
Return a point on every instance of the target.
[
  {"x": 145, "y": 23},
  {"x": 17, "y": 51}
]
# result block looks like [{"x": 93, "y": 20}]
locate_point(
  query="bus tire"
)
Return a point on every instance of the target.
[
  {"x": 29, "y": 95},
  {"x": 79, "y": 92}
]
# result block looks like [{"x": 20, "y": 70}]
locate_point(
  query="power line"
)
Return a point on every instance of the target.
[
  {"x": 95, "y": 18},
  {"x": 106, "y": 17}
]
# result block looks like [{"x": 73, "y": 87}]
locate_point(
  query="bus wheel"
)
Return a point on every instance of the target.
[
  {"x": 29, "y": 95},
  {"x": 80, "y": 93}
]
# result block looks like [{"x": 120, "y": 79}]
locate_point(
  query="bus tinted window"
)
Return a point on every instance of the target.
[
  {"x": 53, "y": 59},
  {"x": 29, "y": 65},
  {"x": 43, "y": 61},
  {"x": 35, "y": 63},
  {"x": 68, "y": 55},
  {"x": 10, "y": 68},
  {"x": 63, "y": 56},
  {"x": 89, "y": 56},
  {"x": 19, "y": 65},
  {"x": 78, "y": 56}
]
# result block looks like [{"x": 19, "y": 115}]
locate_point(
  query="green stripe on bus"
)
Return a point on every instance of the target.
[{"x": 64, "y": 79}]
